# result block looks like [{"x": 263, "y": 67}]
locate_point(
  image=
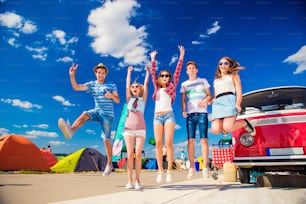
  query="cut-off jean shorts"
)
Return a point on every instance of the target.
[
  {"x": 105, "y": 121},
  {"x": 162, "y": 119},
  {"x": 195, "y": 120}
]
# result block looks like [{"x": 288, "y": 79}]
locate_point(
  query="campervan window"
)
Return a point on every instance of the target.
[
  {"x": 270, "y": 107},
  {"x": 272, "y": 100},
  {"x": 251, "y": 110},
  {"x": 294, "y": 106}
]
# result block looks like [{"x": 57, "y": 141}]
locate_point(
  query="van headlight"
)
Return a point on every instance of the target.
[{"x": 246, "y": 139}]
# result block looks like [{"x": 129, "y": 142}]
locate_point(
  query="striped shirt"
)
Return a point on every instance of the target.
[
  {"x": 171, "y": 88},
  {"x": 101, "y": 102},
  {"x": 195, "y": 92}
]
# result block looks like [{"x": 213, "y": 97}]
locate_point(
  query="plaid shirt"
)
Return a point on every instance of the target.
[{"x": 171, "y": 88}]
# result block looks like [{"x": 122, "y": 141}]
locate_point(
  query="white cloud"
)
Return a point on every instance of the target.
[
  {"x": 113, "y": 35},
  {"x": 63, "y": 100},
  {"x": 26, "y": 105},
  {"x": 209, "y": 32},
  {"x": 18, "y": 25},
  {"x": 56, "y": 143},
  {"x": 4, "y": 131},
  {"x": 39, "y": 52},
  {"x": 42, "y": 126},
  {"x": 95, "y": 146},
  {"x": 60, "y": 35},
  {"x": 195, "y": 42},
  {"x": 298, "y": 58},
  {"x": 11, "y": 20},
  {"x": 13, "y": 42},
  {"x": 38, "y": 133},
  {"x": 65, "y": 59},
  {"x": 214, "y": 29},
  {"x": 21, "y": 126},
  {"x": 14, "y": 21},
  {"x": 173, "y": 60},
  {"x": 28, "y": 27},
  {"x": 90, "y": 132},
  {"x": 203, "y": 36},
  {"x": 61, "y": 41},
  {"x": 41, "y": 57}
]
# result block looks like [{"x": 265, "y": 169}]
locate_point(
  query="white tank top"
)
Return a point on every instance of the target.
[
  {"x": 224, "y": 84},
  {"x": 163, "y": 101}
]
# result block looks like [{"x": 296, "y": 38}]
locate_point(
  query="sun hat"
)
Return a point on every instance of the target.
[{"x": 100, "y": 65}]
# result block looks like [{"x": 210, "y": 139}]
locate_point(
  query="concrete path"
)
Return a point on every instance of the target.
[{"x": 75, "y": 188}]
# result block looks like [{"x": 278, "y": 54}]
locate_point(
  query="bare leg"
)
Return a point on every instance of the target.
[
  {"x": 169, "y": 133},
  {"x": 204, "y": 145},
  {"x": 79, "y": 122},
  {"x": 158, "y": 134},
  {"x": 108, "y": 150},
  {"x": 230, "y": 124},
  {"x": 129, "y": 141},
  {"x": 191, "y": 152},
  {"x": 139, "y": 146},
  {"x": 217, "y": 126}
]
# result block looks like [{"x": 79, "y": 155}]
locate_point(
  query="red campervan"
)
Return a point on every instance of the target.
[{"x": 279, "y": 116}]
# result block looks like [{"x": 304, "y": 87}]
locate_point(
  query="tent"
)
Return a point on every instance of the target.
[
  {"x": 49, "y": 157},
  {"x": 85, "y": 159},
  {"x": 19, "y": 153}
]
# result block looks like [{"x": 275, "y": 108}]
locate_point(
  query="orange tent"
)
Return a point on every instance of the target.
[
  {"x": 19, "y": 153},
  {"x": 51, "y": 159}
]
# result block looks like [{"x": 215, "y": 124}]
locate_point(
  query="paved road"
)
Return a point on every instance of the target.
[{"x": 74, "y": 188}]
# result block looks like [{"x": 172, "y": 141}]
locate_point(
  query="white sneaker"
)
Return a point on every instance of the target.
[
  {"x": 65, "y": 128},
  {"x": 168, "y": 177},
  {"x": 159, "y": 177},
  {"x": 190, "y": 173},
  {"x": 138, "y": 186},
  {"x": 128, "y": 186},
  {"x": 108, "y": 169},
  {"x": 205, "y": 173}
]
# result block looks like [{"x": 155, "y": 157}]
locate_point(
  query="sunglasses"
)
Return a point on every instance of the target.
[
  {"x": 135, "y": 87},
  {"x": 164, "y": 75},
  {"x": 225, "y": 63}
]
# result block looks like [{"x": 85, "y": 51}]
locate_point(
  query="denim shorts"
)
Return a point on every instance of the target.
[
  {"x": 195, "y": 120},
  {"x": 105, "y": 121},
  {"x": 162, "y": 119}
]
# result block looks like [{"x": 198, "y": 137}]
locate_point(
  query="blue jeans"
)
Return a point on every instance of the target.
[
  {"x": 105, "y": 121},
  {"x": 194, "y": 120}
]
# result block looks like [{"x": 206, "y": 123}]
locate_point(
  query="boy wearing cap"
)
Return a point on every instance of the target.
[
  {"x": 195, "y": 97},
  {"x": 104, "y": 94}
]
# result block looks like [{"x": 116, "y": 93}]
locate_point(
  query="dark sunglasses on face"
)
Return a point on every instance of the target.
[
  {"x": 225, "y": 63},
  {"x": 164, "y": 75}
]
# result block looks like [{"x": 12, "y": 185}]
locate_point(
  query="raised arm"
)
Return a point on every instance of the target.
[
  {"x": 179, "y": 65},
  {"x": 128, "y": 83},
  {"x": 145, "y": 84},
  {"x": 74, "y": 84},
  {"x": 153, "y": 68}
]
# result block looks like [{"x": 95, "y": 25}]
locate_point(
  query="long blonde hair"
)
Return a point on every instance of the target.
[{"x": 234, "y": 67}]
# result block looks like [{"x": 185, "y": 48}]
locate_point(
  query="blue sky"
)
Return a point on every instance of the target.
[{"x": 40, "y": 40}]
